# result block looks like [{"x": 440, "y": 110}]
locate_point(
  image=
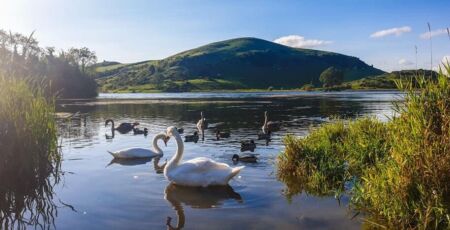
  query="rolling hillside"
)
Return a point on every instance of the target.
[{"x": 232, "y": 64}]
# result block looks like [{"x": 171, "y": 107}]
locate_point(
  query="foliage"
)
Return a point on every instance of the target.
[
  {"x": 28, "y": 156},
  {"x": 251, "y": 62},
  {"x": 64, "y": 75},
  {"x": 332, "y": 76},
  {"x": 387, "y": 80},
  {"x": 81, "y": 57},
  {"x": 307, "y": 87},
  {"x": 400, "y": 170}
]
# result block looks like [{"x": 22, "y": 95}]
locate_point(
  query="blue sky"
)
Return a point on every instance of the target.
[{"x": 130, "y": 31}]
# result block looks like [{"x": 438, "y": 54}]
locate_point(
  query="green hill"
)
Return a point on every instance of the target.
[
  {"x": 232, "y": 64},
  {"x": 387, "y": 80}
]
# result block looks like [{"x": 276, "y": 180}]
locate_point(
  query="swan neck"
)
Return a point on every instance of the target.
[
  {"x": 179, "y": 152},
  {"x": 265, "y": 118},
  {"x": 112, "y": 123},
  {"x": 155, "y": 142}
]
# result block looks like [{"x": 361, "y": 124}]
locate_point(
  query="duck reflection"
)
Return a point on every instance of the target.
[
  {"x": 196, "y": 197},
  {"x": 140, "y": 161}
]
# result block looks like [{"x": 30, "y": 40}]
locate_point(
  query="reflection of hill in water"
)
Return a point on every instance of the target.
[
  {"x": 295, "y": 113},
  {"x": 197, "y": 197}
]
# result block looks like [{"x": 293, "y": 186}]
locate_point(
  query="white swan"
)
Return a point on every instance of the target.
[
  {"x": 199, "y": 171},
  {"x": 269, "y": 126},
  {"x": 131, "y": 153},
  {"x": 202, "y": 124}
]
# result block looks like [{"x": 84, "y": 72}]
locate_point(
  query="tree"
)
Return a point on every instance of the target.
[
  {"x": 331, "y": 77},
  {"x": 82, "y": 57}
]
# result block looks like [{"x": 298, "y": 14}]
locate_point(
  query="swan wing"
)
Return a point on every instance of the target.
[
  {"x": 202, "y": 172},
  {"x": 134, "y": 153}
]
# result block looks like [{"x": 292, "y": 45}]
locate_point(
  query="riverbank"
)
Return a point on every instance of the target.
[{"x": 396, "y": 173}]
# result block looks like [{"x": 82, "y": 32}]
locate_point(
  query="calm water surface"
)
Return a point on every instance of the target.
[{"x": 97, "y": 193}]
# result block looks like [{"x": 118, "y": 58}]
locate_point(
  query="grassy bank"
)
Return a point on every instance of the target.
[
  {"x": 398, "y": 172},
  {"x": 29, "y": 159}
]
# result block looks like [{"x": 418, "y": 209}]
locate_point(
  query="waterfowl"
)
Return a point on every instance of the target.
[
  {"x": 251, "y": 158},
  {"x": 248, "y": 145},
  {"x": 220, "y": 134},
  {"x": 269, "y": 125},
  {"x": 202, "y": 124},
  {"x": 180, "y": 130},
  {"x": 191, "y": 138},
  {"x": 138, "y": 131},
  {"x": 123, "y": 127},
  {"x": 131, "y": 153},
  {"x": 198, "y": 172},
  {"x": 264, "y": 136}
]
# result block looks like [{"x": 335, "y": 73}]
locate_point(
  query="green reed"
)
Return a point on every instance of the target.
[
  {"x": 29, "y": 158},
  {"x": 400, "y": 169}
]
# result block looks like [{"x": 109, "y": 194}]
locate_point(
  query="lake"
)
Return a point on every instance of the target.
[{"x": 97, "y": 193}]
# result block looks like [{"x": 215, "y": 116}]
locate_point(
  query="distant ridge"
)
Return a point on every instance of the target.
[{"x": 236, "y": 63}]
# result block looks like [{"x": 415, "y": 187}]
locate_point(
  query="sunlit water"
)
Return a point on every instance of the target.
[{"x": 132, "y": 195}]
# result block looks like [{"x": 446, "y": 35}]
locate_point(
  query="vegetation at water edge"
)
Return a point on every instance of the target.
[
  {"x": 28, "y": 153},
  {"x": 397, "y": 172}
]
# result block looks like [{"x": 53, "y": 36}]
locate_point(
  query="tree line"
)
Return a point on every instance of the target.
[{"x": 64, "y": 74}]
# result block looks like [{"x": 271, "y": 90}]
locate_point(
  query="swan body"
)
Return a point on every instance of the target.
[
  {"x": 269, "y": 126},
  {"x": 123, "y": 127},
  {"x": 264, "y": 136},
  {"x": 133, "y": 153},
  {"x": 199, "y": 171}
]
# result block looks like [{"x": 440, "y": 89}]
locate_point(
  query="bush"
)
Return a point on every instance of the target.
[
  {"x": 400, "y": 170},
  {"x": 331, "y": 77},
  {"x": 307, "y": 87}
]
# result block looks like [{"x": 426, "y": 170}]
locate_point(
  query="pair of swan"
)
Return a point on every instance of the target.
[{"x": 199, "y": 171}]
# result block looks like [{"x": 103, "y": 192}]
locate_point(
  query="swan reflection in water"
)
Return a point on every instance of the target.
[
  {"x": 196, "y": 197},
  {"x": 140, "y": 161}
]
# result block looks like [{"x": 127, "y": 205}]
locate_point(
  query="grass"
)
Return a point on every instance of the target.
[
  {"x": 29, "y": 158},
  {"x": 400, "y": 170}
]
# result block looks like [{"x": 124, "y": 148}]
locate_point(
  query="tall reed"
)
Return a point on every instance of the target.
[
  {"x": 29, "y": 158},
  {"x": 400, "y": 170}
]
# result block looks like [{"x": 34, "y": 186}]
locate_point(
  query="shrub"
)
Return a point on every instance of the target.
[{"x": 331, "y": 77}]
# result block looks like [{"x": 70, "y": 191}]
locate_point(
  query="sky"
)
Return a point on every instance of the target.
[{"x": 383, "y": 33}]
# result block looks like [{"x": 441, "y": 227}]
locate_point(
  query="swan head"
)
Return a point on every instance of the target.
[
  {"x": 108, "y": 121},
  {"x": 171, "y": 131},
  {"x": 166, "y": 139}
]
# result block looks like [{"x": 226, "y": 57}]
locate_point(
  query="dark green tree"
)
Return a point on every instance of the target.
[{"x": 331, "y": 77}]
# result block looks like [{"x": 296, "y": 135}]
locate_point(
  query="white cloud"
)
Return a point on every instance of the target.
[
  {"x": 298, "y": 41},
  {"x": 397, "y": 31},
  {"x": 405, "y": 62},
  {"x": 445, "y": 60},
  {"x": 433, "y": 33}
]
